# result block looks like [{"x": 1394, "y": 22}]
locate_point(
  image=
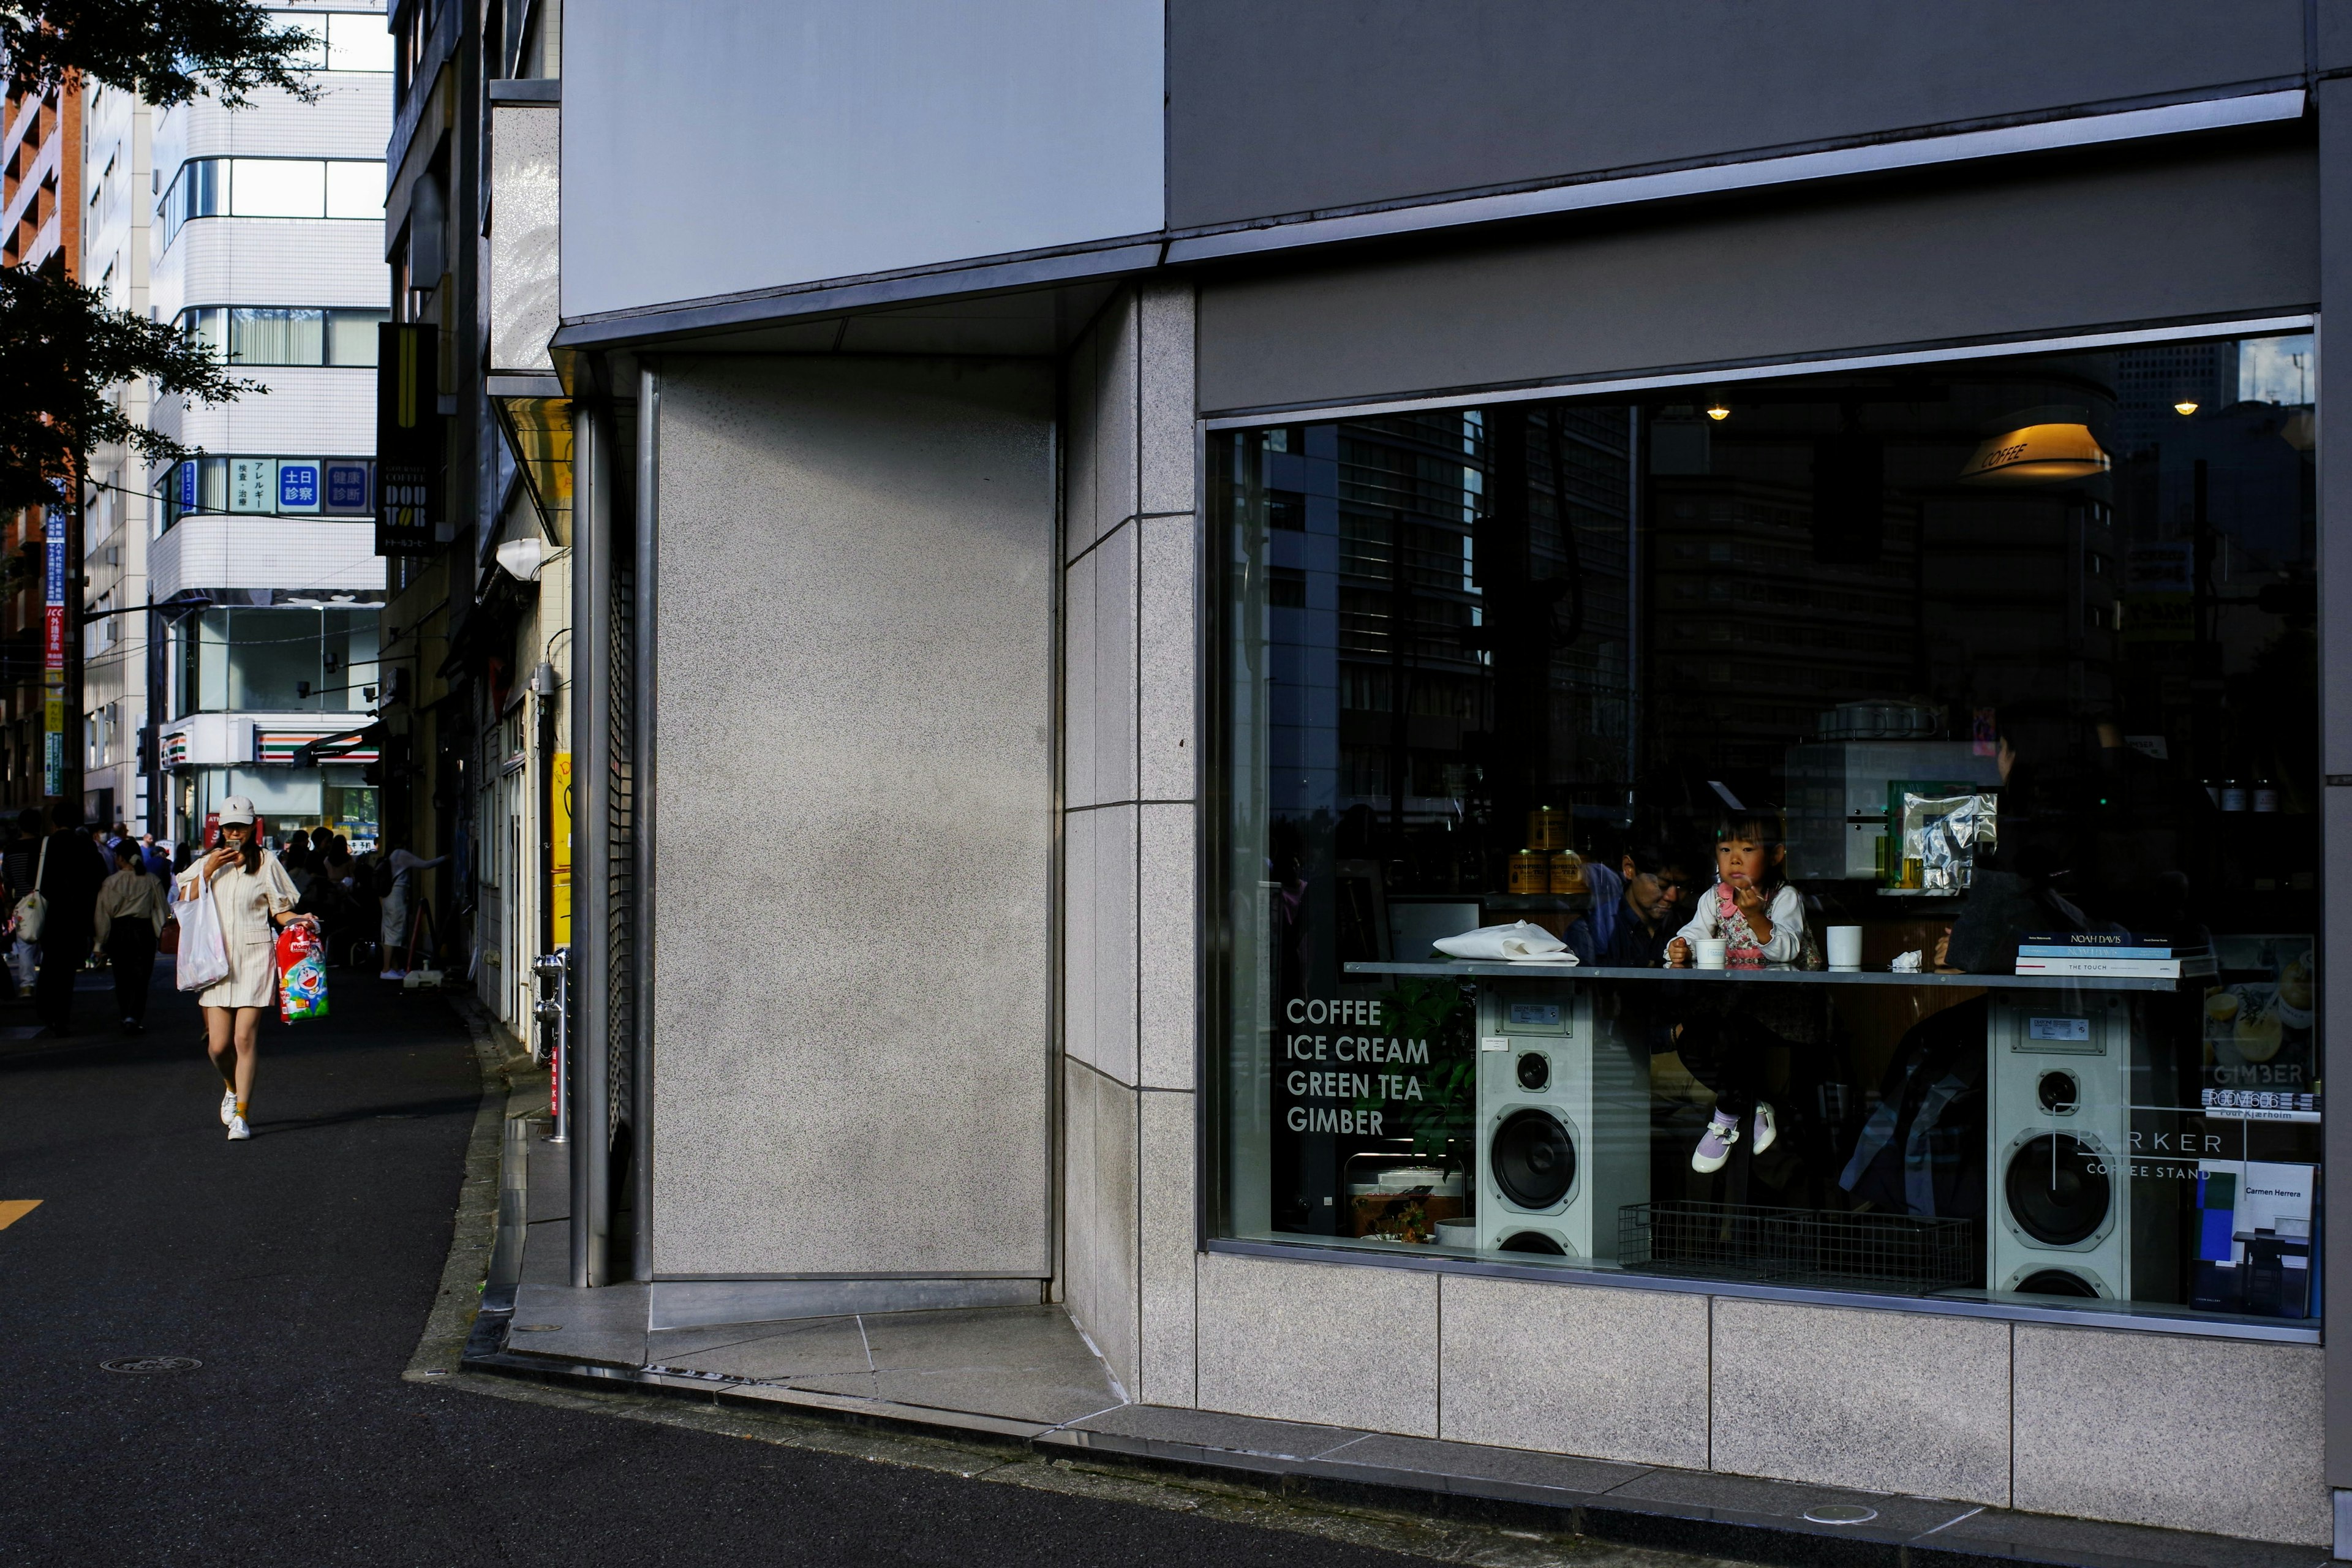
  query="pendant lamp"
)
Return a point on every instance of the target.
[{"x": 2037, "y": 454}]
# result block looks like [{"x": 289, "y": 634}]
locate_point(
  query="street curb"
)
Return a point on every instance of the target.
[
  {"x": 1658, "y": 1525},
  {"x": 459, "y": 1307}
]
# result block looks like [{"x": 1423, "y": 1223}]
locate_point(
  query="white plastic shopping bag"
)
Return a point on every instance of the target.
[
  {"x": 203, "y": 950},
  {"x": 1521, "y": 941}
]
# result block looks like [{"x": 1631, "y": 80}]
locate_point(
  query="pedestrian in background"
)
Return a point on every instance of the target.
[
  {"x": 130, "y": 919},
  {"x": 253, "y": 897},
  {"x": 16, "y": 869},
  {"x": 24, "y": 850},
  {"x": 69, "y": 872},
  {"x": 395, "y": 879}
]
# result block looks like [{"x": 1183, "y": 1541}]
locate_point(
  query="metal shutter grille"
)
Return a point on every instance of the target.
[{"x": 621, "y": 883}]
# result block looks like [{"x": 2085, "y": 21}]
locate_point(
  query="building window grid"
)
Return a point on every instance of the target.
[
  {"x": 286, "y": 335},
  {"x": 338, "y": 189}
]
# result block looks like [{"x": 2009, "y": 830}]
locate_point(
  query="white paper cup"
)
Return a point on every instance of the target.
[
  {"x": 1710, "y": 953},
  {"x": 1845, "y": 947}
]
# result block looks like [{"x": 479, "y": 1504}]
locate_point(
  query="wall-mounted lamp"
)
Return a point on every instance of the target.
[
  {"x": 1719, "y": 411},
  {"x": 522, "y": 558},
  {"x": 2185, "y": 408}
]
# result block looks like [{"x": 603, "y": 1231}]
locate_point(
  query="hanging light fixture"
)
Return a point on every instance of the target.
[
  {"x": 2185, "y": 408},
  {"x": 1719, "y": 411},
  {"x": 2046, "y": 445}
]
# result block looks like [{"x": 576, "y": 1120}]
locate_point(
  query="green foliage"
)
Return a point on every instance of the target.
[
  {"x": 62, "y": 348},
  {"x": 1445, "y": 1013},
  {"x": 166, "y": 51}
]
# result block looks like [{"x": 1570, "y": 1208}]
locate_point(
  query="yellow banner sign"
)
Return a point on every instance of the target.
[{"x": 560, "y": 873}]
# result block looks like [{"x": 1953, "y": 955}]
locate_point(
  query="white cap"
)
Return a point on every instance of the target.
[{"x": 237, "y": 809}]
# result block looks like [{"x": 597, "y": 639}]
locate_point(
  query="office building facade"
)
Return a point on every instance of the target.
[
  {"x": 263, "y": 237},
  {"x": 1099, "y": 559}
]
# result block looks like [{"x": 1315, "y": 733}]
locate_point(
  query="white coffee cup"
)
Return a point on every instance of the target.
[
  {"x": 1710, "y": 953},
  {"x": 1845, "y": 947}
]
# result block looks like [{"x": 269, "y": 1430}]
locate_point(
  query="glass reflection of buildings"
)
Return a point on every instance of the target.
[
  {"x": 1607, "y": 610},
  {"x": 1477, "y": 563}
]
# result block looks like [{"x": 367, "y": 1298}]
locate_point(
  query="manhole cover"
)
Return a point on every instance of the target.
[
  {"x": 1842, "y": 1513},
  {"x": 536, "y": 1327},
  {"x": 148, "y": 1365}
]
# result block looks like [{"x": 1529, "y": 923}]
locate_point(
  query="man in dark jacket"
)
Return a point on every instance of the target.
[
  {"x": 69, "y": 874},
  {"x": 1632, "y": 919}
]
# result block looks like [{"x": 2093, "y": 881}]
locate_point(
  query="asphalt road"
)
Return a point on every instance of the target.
[{"x": 298, "y": 1268}]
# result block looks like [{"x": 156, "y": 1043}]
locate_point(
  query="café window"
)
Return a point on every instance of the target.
[{"x": 1855, "y": 831}]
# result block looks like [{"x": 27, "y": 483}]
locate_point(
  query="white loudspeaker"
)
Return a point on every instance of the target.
[
  {"x": 2058, "y": 1120},
  {"x": 1563, "y": 1123}
]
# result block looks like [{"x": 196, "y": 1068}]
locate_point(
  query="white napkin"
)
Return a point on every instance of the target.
[
  {"x": 1521, "y": 941},
  {"x": 1909, "y": 963}
]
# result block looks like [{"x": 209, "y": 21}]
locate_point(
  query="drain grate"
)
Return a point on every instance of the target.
[
  {"x": 536, "y": 1327},
  {"x": 149, "y": 1365}
]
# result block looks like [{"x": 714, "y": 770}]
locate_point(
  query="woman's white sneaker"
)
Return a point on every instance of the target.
[
  {"x": 237, "y": 1130},
  {"x": 228, "y": 1105}
]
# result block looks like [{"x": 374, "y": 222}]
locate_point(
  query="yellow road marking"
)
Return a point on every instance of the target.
[{"x": 14, "y": 1209}]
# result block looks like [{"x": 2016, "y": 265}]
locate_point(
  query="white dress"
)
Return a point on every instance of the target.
[{"x": 245, "y": 901}]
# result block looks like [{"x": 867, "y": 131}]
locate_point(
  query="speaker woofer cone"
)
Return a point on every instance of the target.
[
  {"x": 2055, "y": 1191},
  {"x": 1533, "y": 1158},
  {"x": 1532, "y": 1241},
  {"x": 2057, "y": 1282}
]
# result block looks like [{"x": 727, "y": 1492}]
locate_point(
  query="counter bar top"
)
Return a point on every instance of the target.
[{"x": 1467, "y": 970}]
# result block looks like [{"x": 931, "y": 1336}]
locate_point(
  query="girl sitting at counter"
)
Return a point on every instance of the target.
[{"x": 1761, "y": 919}]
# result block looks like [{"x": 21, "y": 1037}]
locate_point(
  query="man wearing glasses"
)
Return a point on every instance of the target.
[{"x": 1635, "y": 912}]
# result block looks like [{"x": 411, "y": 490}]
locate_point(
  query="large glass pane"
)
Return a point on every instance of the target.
[
  {"x": 313, "y": 57},
  {"x": 350, "y": 336},
  {"x": 278, "y": 187},
  {"x": 276, "y": 660},
  {"x": 209, "y": 327},
  {"x": 276, "y": 335},
  {"x": 355, "y": 190},
  {"x": 350, "y": 654},
  {"x": 357, "y": 42},
  {"x": 1957, "y": 723}
]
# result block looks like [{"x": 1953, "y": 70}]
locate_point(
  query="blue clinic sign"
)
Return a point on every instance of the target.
[
  {"x": 298, "y": 485},
  {"x": 188, "y": 484},
  {"x": 54, "y": 581},
  {"x": 347, "y": 488}
]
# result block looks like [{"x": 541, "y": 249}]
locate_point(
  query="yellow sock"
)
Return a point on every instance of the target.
[{"x": 240, "y": 1108}]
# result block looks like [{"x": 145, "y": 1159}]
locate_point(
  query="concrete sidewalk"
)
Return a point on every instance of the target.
[{"x": 1027, "y": 1376}]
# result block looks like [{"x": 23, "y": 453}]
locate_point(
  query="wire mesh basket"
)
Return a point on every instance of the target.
[{"x": 1913, "y": 1254}]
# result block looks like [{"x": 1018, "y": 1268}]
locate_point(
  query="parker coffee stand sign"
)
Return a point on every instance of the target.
[{"x": 409, "y": 449}]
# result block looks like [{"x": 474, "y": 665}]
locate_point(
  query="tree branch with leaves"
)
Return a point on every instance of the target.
[
  {"x": 62, "y": 351},
  {"x": 165, "y": 51}
]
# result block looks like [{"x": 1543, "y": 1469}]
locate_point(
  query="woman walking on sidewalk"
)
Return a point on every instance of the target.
[
  {"x": 130, "y": 917},
  {"x": 254, "y": 897}
]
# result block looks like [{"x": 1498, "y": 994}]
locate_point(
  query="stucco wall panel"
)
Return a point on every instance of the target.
[{"x": 853, "y": 645}]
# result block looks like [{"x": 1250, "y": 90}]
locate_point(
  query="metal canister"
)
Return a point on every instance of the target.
[
  {"x": 1530, "y": 872},
  {"x": 1568, "y": 872},
  {"x": 1548, "y": 829}
]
